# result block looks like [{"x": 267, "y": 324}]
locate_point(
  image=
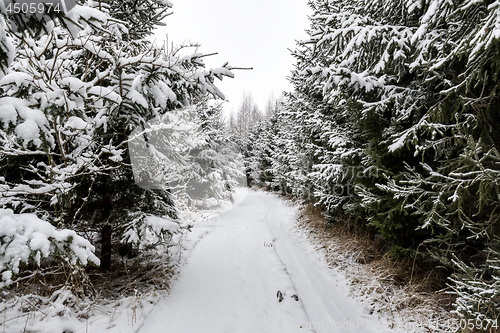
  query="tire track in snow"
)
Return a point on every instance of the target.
[
  {"x": 285, "y": 268},
  {"x": 323, "y": 293},
  {"x": 230, "y": 281}
]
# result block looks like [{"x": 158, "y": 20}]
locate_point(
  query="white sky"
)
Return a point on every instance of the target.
[{"x": 246, "y": 33}]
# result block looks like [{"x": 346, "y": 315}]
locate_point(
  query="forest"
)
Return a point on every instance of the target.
[
  {"x": 391, "y": 124},
  {"x": 100, "y": 130}
]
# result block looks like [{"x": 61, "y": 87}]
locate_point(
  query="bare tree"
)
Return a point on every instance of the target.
[
  {"x": 273, "y": 104},
  {"x": 248, "y": 114}
]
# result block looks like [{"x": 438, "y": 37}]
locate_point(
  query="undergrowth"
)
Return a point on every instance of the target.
[
  {"x": 88, "y": 300},
  {"x": 414, "y": 298}
]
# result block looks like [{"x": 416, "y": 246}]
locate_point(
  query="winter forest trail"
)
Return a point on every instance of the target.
[{"x": 236, "y": 272}]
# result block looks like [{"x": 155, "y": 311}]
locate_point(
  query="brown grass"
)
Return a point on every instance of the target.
[
  {"x": 147, "y": 273},
  {"x": 366, "y": 248},
  {"x": 128, "y": 277},
  {"x": 395, "y": 287}
]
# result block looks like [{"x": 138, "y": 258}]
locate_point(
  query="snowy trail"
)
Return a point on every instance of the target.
[{"x": 233, "y": 276}]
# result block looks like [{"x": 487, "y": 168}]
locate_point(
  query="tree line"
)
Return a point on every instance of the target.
[
  {"x": 75, "y": 88},
  {"x": 393, "y": 123}
]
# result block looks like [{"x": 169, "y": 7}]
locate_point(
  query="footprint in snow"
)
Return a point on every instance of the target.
[{"x": 281, "y": 296}]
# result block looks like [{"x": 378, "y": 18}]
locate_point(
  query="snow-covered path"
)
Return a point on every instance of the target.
[{"x": 235, "y": 273}]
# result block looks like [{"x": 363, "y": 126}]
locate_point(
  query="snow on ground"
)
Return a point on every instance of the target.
[
  {"x": 408, "y": 307},
  {"x": 243, "y": 270},
  {"x": 64, "y": 313},
  {"x": 239, "y": 271}
]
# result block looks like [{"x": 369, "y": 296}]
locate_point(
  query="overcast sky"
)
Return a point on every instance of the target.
[{"x": 246, "y": 33}]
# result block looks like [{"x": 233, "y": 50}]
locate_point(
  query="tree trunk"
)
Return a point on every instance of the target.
[{"x": 106, "y": 234}]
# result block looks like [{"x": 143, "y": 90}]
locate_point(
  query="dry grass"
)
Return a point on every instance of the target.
[
  {"x": 131, "y": 276},
  {"x": 412, "y": 298},
  {"x": 126, "y": 277},
  {"x": 61, "y": 291}
]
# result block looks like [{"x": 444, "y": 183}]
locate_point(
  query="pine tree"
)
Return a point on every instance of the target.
[
  {"x": 78, "y": 87},
  {"x": 216, "y": 167},
  {"x": 393, "y": 117}
]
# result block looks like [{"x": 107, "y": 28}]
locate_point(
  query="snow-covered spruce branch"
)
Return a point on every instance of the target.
[{"x": 27, "y": 239}]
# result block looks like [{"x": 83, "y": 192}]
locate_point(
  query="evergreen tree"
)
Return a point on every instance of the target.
[
  {"x": 74, "y": 92},
  {"x": 393, "y": 119},
  {"x": 217, "y": 167}
]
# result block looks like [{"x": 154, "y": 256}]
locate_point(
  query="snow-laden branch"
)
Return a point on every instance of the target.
[{"x": 25, "y": 238}]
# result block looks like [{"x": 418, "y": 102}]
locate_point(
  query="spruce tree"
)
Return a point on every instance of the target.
[
  {"x": 76, "y": 89},
  {"x": 395, "y": 109}
]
